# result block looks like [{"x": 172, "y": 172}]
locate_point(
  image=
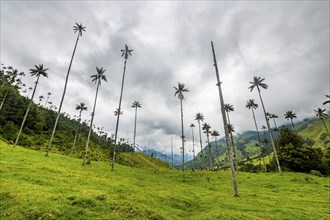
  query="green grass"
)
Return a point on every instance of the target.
[{"x": 58, "y": 187}]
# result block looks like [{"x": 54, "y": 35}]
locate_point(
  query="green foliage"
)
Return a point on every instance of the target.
[
  {"x": 59, "y": 187},
  {"x": 295, "y": 155}
]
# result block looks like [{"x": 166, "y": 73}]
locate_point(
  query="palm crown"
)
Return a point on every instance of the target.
[
  {"x": 199, "y": 117},
  {"x": 126, "y": 52},
  {"x": 215, "y": 133},
  {"x": 251, "y": 104},
  {"x": 39, "y": 70},
  {"x": 192, "y": 125},
  {"x": 82, "y": 106},
  {"x": 179, "y": 91},
  {"x": 136, "y": 104},
  {"x": 79, "y": 28},
  {"x": 290, "y": 115},
  {"x": 229, "y": 108},
  {"x": 99, "y": 76},
  {"x": 206, "y": 128},
  {"x": 258, "y": 82},
  {"x": 320, "y": 113}
]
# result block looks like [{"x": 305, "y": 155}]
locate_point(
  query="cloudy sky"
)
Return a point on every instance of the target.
[{"x": 285, "y": 42}]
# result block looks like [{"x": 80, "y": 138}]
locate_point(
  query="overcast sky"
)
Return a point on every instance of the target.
[{"x": 285, "y": 42}]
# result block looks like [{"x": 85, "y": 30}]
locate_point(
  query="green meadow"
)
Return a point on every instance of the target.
[{"x": 59, "y": 187}]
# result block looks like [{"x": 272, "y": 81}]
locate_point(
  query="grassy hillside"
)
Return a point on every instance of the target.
[{"x": 58, "y": 187}]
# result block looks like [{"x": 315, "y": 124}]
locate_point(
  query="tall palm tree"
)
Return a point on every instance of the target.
[
  {"x": 250, "y": 104},
  {"x": 207, "y": 131},
  {"x": 38, "y": 71},
  {"x": 229, "y": 108},
  {"x": 193, "y": 139},
  {"x": 225, "y": 125},
  {"x": 273, "y": 116},
  {"x": 48, "y": 95},
  {"x": 124, "y": 53},
  {"x": 135, "y": 105},
  {"x": 81, "y": 107},
  {"x": 257, "y": 83},
  {"x": 97, "y": 78},
  {"x": 199, "y": 117},
  {"x": 179, "y": 92},
  {"x": 78, "y": 28},
  {"x": 320, "y": 113},
  {"x": 289, "y": 115}
]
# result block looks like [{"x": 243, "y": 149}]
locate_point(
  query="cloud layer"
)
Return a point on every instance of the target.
[{"x": 285, "y": 42}]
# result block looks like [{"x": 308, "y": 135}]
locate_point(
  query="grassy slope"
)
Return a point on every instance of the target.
[
  {"x": 314, "y": 130},
  {"x": 58, "y": 187}
]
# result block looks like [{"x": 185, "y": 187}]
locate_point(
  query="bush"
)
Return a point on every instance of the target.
[{"x": 316, "y": 173}]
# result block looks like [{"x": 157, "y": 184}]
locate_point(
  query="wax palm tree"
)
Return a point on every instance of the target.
[
  {"x": 193, "y": 139},
  {"x": 225, "y": 124},
  {"x": 125, "y": 53},
  {"x": 135, "y": 105},
  {"x": 199, "y": 117},
  {"x": 289, "y": 115},
  {"x": 179, "y": 92},
  {"x": 48, "y": 95},
  {"x": 327, "y": 101},
  {"x": 78, "y": 28},
  {"x": 97, "y": 78},
  {"x": 116, "y": 112},
  {"x": 206, "y": 127},
  {"x": 258, "y": 83},
  {"x": 40, "y": 99},
  {"x": 38, "y": 71},
  {"x": 229, "y": 108},
  {"x": 250, "y": 104},
  {"x": 320, "y": 113},
  {"x": 81, "y": 107},
  {"x": 273, "y": 116},
  {"x": 11, "y": 79}
]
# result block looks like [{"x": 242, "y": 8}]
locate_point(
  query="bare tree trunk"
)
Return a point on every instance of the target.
[
  {"x": 61, "y": 103},
  {"x": 91, "y": 124},
  {"x": 294, "y": 129},
  {"x": 135, "y": 127},
  {"x": 232, "y": 169},
  {"x": 325, "y": 126},
  {"x": 192, "y": 133},
  {"x": 3, "y": 100},
  {"x": 76, "y": 135},
  {"x": 182, "y": 137},
  {"x": 209, "y": 152},
  {"x": 270, "y": 133},
  {"x": 200, "y": 135},
  {"x": 27, "y": 112},
  {"x": 117, "y": 123}
]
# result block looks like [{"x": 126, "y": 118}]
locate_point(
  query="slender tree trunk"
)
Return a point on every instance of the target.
[
  {"x": 192, "y": 133},
  {"x": 61, "y": 103},
  {"x": 232, "y": 169},
  {"x": 135, "y": 127},
  {"x": 325, "y": 126},
  {"x": 294, "y": 129},
  {"x": 117, "y": 124},
  {"x": 91, "y": 124},
  {"x": 200, "y": 135},
  {"x": 260, "y": 144},
  {"x": 270, "y": 133},
  {"x": 27, "y": 112},
  {"x": 76, "y": 135},
  {"x": 234, "y": 151},
  {"x": 209, "y": 152},
  {"x": 3, "y": 100},
  {"x": 182, "y": 137}
]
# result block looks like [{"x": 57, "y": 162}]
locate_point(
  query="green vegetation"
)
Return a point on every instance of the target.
[{"x": 58, "y": 187}]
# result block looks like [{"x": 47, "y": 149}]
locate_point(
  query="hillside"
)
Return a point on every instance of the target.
[{"x": 59, "y": 187}]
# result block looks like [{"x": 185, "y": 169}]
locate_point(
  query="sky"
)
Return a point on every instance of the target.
[{"x": 287, "y": 43}]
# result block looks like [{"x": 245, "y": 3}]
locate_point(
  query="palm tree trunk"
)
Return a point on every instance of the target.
[
  {"x": 135, "y": 127},
  {"x": 294, "y": 129},
  {"x": 270, "y": 133},
  {"x": 200, "y": 135},
  {"x": 234, "y": 150},
  {"x": 61, "y": 103},
  {"x": 182, "y": 137},
  {"x": 76, "y": 135},
  {"x": 117, "y": 124},
  {"x": 260, "y": 144},
  {"x": 91, "y": 124},
  {"x": 3, "y": 100},
  {"x": 232, "y": 169},
  {"x": 325, "y": 126},
  {"x": 209, "y": 152},
  {"x": 27, "y": 112},
  {"x": 192, "y": 133}
]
